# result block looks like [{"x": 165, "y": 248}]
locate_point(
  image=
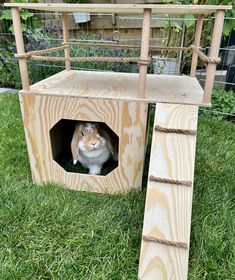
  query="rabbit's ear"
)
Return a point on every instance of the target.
[
  {"x": 74, "y": 144},
  {"x": 113, "y": 149},
  {"x": 111, "y": 144}
]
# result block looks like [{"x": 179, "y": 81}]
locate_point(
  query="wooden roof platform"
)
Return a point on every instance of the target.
[
  {"x": 121, "y": 86},
  {"x": 122, "y": 8}
]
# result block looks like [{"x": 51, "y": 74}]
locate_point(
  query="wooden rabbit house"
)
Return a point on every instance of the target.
[{"x": 120, "y": 101}]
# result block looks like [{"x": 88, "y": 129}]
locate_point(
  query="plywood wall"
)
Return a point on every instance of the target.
[{"x": 126, "y": 118}]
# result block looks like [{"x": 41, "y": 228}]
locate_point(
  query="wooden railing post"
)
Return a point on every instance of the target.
[
  {"x": 144, "y": 51},
  {"x": 66, "y": 39},
  {"x": 20, "y": 48},
  {"x": 214, "y": 52},
  {"x": 196, "y": 43}
]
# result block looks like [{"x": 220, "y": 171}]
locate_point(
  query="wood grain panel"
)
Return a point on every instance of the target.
[
  {"x": 123, "y": 86},
  {"x": 126, "y": 119},
  {"x": 168, "y": 206}
]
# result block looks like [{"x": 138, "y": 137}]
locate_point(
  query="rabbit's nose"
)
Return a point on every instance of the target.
[{"x": 93, "y": 143}]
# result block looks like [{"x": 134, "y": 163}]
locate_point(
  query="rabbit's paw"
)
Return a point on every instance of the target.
[{"x": 95, "y": 169}]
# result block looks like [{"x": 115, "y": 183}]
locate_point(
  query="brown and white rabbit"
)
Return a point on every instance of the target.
[{"x": 92, "y": 145}]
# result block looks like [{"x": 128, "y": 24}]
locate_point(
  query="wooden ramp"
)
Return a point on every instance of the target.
[{"x": 167, "y": 219}]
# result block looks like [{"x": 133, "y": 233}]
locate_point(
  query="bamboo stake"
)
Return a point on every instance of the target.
[
  {"x": 214, "y": 52},
  {"x": 196, "y": 43},
  {"x": 144, "y": 51},
  {"x": 20, "y": 48},
  {"x": 66, "y": 38}
]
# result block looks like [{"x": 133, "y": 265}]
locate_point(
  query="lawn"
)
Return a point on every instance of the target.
[{"x": 53, "y": 233}]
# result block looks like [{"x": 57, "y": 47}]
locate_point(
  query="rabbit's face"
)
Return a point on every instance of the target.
[{"x": 90, "y": 138}]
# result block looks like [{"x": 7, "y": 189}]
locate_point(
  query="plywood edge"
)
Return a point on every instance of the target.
[{"x": 149, "y": 101}]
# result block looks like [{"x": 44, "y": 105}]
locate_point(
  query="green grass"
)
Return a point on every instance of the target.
[{"x": 53, "y": 233}]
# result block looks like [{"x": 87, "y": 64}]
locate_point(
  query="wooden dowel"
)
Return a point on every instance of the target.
[
  {"x": 66, "y": 38},
  {"x": 196, "y": 43},
  {"x": 144, "y": 51},
  {"x": 113, "y": 14},
  {"x": 214, "y": 52},
  {"x": 20, "y": 48}
]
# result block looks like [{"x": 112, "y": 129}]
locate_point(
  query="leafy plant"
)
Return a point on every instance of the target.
[
  {"x": 42, "y": 38},
  {"x": 189, "y": 22},
  {"x": 224, "y": 102},
  {"x": 171, "y": 37},
  {"x": 229, "y": 23},
  {"x": 9, "y": 69},
  {"x": 27, "y": 19},
  {"x": 49, "y": 37},
  {"x": 83, "y": 51},
  {"x": 35, "y": 39}
]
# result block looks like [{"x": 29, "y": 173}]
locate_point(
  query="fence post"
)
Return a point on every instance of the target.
[{"x": 20, "y": 48}]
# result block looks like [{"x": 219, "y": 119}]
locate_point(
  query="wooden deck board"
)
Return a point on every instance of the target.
[{"x": 123, "y": 86}]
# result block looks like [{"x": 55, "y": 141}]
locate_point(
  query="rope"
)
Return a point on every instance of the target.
[
  {"x": 29, "y": 54},
  {"x": 144, "y": 61},
  {"x": 170, "y": 48},
  {"x": 165, "y": 242},
  {"x": 103, "y": 45},
  {"x": 205, "y": 57},
  {"x": 175, "y": 130},
  {"x": 170, "y": 181},
  {"x": 91, "y": 59},
  {"x": 111, "y": 45}
]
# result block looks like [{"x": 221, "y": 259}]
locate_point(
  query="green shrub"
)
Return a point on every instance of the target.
[
  {"x": 9, "y": 68},
  {"x": 49, "y": 37},
  {"x": 222, "y": 101}
]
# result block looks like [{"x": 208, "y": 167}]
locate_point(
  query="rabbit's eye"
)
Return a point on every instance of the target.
[{"x": 81, "y": 133}]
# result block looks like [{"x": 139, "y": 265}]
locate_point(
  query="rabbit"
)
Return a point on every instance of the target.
[{"x": 92, "y": 145}]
